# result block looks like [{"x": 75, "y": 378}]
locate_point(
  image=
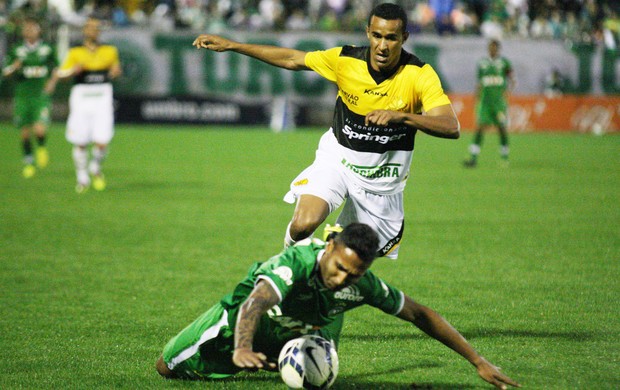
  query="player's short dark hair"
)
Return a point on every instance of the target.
[
  {"x": 389, "y": 11},
  {"x": 361, "y": 238}
]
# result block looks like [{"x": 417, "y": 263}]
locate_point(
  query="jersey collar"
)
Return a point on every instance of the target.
[{"x": 380, "y": 77}]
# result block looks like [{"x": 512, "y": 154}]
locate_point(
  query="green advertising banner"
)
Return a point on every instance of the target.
[{"x": 166, "y": 64}]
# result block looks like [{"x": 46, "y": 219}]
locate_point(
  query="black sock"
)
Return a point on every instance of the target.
[{"x": 27, "y": 146}]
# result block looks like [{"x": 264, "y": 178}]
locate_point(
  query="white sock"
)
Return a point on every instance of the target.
[
  {"x": 288, "y": 241},
  {"x": 474, "y": 149},
  {"x": 80, "y": 160},
  {"x": 99, "y": 155}
]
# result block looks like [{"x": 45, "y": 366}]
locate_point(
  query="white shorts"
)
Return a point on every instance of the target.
[
  {"x": 384, "y": 213},
  {"x": 91, "y": 114}
]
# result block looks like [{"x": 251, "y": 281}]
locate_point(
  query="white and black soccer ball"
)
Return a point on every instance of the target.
[{"x": 308, "y": 362}]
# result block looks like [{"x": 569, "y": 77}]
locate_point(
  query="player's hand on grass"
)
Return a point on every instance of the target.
[
  {"x": 211, "y": 42},
  {"x": 246, "y": 358},
  {"x": 494, "y": 376}
]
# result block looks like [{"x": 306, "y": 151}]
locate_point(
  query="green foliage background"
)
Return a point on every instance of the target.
[{"x": 523, "y": 260}]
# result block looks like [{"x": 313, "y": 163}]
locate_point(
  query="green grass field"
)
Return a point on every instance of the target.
[{"x": 523, "y": 260}]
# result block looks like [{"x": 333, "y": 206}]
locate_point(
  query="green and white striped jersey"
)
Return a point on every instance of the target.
[
  {"x": 493, "y": 77},
  {"x": 38, "y": 61}
]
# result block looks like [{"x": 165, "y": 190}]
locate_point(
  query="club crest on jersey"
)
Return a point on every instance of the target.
[
  {"x": 285, "y": 273},
  {"x": 397, "y": 105},
  {"x": 350, "y": 293}
]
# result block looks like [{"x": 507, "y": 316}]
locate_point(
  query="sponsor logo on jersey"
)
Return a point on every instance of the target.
[
  {"x": 32, "y": 72},
  {"x": 350, "y": 293},
  {"x": 370, "y": 137},
  {"x": 492, "y": 81},
  {"x": 301, "y": 182},
  {"x": 285, "y": 273},
  {"x": 375, "y": 93},
  {"x": 350, "y": 98},
  {"x": 385, "y": 170}
]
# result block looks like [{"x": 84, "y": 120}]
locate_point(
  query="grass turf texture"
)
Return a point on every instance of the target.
[{"x": 523, "y": 260}]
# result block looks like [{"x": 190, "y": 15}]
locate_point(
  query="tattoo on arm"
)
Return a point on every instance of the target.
[{"x": 262, "y": 298}]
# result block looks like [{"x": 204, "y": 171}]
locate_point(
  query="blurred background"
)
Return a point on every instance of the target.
[{"x": 564, "y": 54}]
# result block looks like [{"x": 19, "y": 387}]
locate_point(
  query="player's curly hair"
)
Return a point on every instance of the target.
[
  {"x": 389, "y": 11},
  {"x": 361, "y": 238}
]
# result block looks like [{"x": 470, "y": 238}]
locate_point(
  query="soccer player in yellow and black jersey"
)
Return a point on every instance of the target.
[
  {"x": 92, "y": 66},
  {"x": 385, "y": 96}
]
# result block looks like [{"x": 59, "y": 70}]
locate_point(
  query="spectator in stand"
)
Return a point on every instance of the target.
[
  {"x": 272, "y": 13},
  {"x": 540, "y": 28},
  {"x": 494, "y": 20},
  {"x": 572, "y": 30},
  {"x": 298, "y": 21},
  {"x": 443, "y": 16},
  {"x": 557, "y": 26}
]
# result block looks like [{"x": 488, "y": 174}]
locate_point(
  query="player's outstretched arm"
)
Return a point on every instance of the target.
[
  {"x": 282, "y": 57},
  {"x": 261, "y": 299},
  {"x": 437, "y": 327}
]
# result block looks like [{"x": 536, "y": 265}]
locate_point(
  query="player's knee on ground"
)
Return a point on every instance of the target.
[{"x": 163, "y": 370}]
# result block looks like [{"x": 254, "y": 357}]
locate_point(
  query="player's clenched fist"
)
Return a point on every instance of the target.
[{"x": 211, "y": 42}]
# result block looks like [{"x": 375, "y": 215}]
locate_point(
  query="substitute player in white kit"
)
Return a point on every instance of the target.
[{"x": 91, "y": 113}]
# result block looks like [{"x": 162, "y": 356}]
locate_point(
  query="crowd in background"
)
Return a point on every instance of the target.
[{"x": 588, "y": 21}]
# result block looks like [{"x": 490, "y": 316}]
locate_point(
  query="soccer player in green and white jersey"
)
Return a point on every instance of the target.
[
  {"x": 303, "y": 290},
  {"x": 495, "y": 80},
  {"x": 32, "y": 63}
]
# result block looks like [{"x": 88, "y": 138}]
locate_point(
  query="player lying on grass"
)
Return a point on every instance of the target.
[{"x": 305, "y": 289}]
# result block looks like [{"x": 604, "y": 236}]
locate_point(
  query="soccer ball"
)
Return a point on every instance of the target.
[{"x": 308, "y": 362}]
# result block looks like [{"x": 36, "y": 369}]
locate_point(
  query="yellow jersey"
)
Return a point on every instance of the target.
[
  {"x": 95, "y": 63},
  {"x": 378, "y": 158}
]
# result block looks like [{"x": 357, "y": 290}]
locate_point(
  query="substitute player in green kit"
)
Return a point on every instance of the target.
[
  {"x": 303, "y": 290},
  {"x": 32, "y": 63},
  {"x": 495, "y": 80}
]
